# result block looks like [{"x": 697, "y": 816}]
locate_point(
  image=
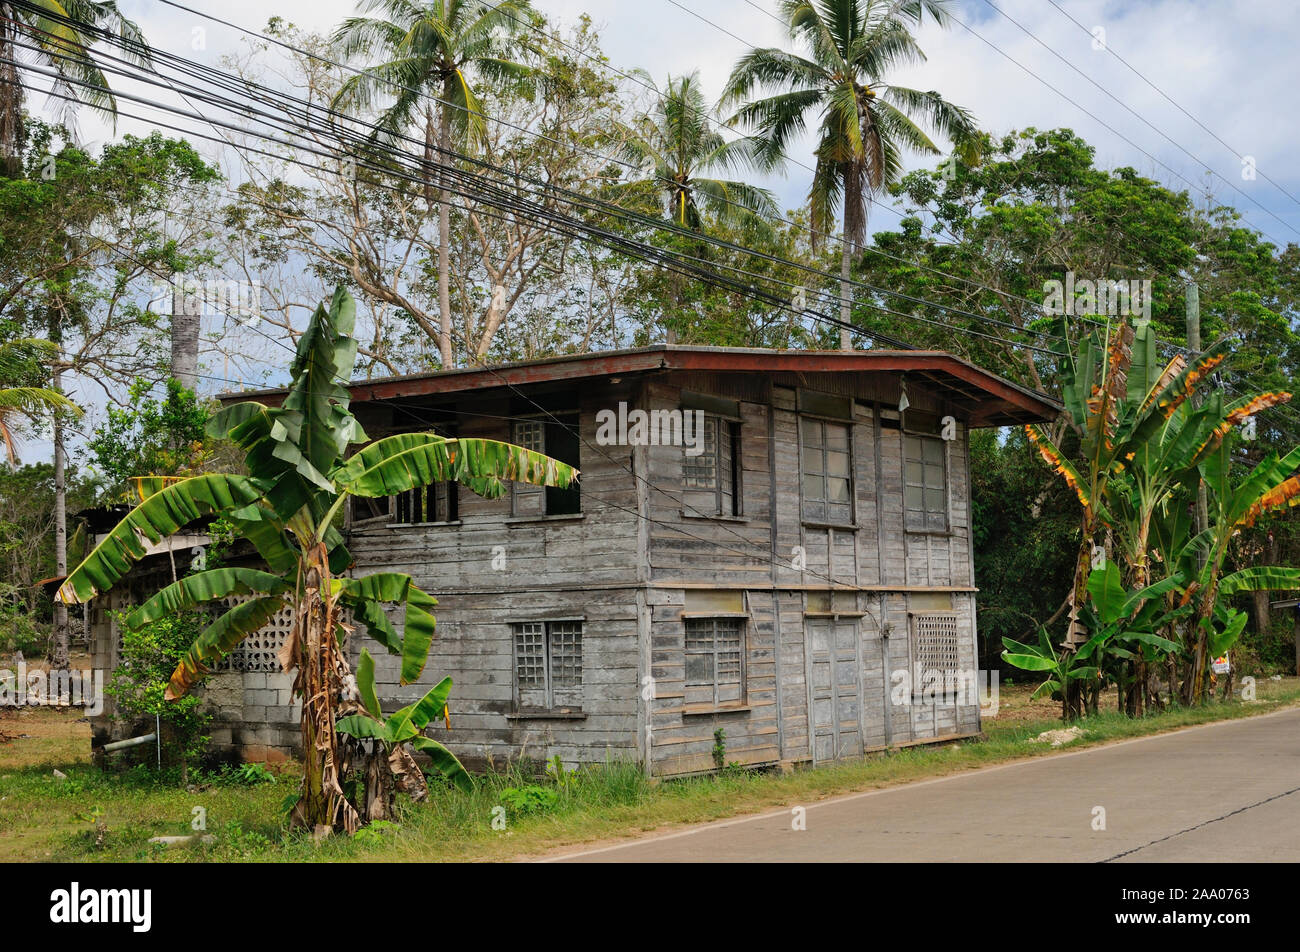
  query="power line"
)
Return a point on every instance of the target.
[
  {"x": 653, "y": 223},
  {"x": 1136, "y": 72},
  {"x": 908, "y": 316},
  {"x": 661, "y": 225},
  {"x": 1081, "y": 108},
  {"x": 1134, "y": 113}
]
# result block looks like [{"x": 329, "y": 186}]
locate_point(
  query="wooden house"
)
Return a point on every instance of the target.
[{"x": 776, "y": 544}]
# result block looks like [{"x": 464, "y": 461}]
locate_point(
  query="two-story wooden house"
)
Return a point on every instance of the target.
[{"x": 775, "y": 543}]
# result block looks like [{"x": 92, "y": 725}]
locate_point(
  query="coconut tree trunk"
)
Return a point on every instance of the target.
[
  {"x": 11, "y": 98},
  {"x": 846, "y": 309},
  {"x": 59, "y": 659},
  {"x": 185, "y": 338},
  {"x": 444, "y": 238}
]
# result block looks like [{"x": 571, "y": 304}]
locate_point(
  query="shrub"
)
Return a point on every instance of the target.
[
  {"x": 530, "y": 799},
  {"x": 139, "y": 683}
]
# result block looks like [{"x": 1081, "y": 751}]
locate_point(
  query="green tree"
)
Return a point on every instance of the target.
[
  {"x": 138, "y": 686},
  {"x": 163, "y": 437},
  {"x": 300, "y": 478},
  {"x": 431, "y": 52},
  {"x": 866, "y": 122},
  {"x": 79, "y": 249}
]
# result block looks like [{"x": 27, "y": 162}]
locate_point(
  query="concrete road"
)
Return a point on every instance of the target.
[{"x": 1227, "y": 791}]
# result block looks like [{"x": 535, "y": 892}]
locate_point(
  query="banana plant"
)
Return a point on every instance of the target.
[
  {"x": 392, "y": 734},
  {"x": 1273, "y": 484},
  {"x": 1126, "y": 626},
  {"x": 1118, "y": 398},
  {"x": 299, "y": 477},
  {"x": 1123, "y": 625},
  {"x": 1064, "y": 668}
]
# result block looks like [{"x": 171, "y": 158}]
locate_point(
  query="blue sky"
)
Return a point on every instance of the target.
[{"x": 1231, "y": 66}]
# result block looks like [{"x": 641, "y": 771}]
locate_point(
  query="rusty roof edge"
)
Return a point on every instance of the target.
[{"x": 640, "y": 359}]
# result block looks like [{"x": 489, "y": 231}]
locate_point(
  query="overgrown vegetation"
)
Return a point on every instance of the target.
[
  {"x": 138, "y": 686},
  {"x": 512, "y": 811},
  {"x": 1151, "y": 436}
]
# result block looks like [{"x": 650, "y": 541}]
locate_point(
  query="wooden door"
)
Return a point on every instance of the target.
[{"x": 835, "y": 688}]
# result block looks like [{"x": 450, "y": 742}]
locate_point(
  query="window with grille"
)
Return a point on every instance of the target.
[
  {"x": 827, "y": 479},
  {"x": 934, "y": 649},
  {"x": 715, "y": 661},
  {"x": 925, "y": 483},
  {"x": 556, "y": 435},
  {"x": 711, "y": 479},
  {"x": 548, "y": 665}
]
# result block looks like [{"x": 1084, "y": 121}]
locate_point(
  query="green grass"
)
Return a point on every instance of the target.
[{"x": 44, "y": 818}]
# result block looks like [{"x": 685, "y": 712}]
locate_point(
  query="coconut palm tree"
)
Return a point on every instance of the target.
[
  {"x": 18, "y": 358},
  {"x": 58, "y": 36},
  {"x": 866, "y": 123},
  {"x": 677, "y": 148},
  {"x": 429, "y": 54}
]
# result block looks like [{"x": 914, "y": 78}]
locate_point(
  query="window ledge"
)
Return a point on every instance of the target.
[
  {"x": 559, "y": 517},
  {"x": 840, "y": 526},
  {"x": 706, "y": 517},
  {"x": 942, "y": 533},
  {"x": 372, "y": 524},
  {"x": 696, "y": 709},
  {"x": 547, "y": 716}
]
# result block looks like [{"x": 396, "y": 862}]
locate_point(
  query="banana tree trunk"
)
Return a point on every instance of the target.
[
  {"x": 1196, "y": 683},
  {"x": 322, "y": 667}
]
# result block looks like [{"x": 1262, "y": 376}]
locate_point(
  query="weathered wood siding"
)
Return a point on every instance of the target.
[
  {"x": 547, "y": 568},
  {"x": 818, "y": 686},
  {"x": 827, "y": 610}
]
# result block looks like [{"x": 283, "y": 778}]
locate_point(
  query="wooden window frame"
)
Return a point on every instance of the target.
[
  {"x": 733, "y": 428},
  {"x": 546, "y": 665},
  {"x": 518, "y": 490},
  {"x": 826, "y": 520},
  {"x": 715, "y": 652},
  {"x": 924, "y": 512},
  {"x": 914, "y": 623}
]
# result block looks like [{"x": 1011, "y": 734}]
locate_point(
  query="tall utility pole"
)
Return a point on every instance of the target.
[{"x": 1194, "y": 345}]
